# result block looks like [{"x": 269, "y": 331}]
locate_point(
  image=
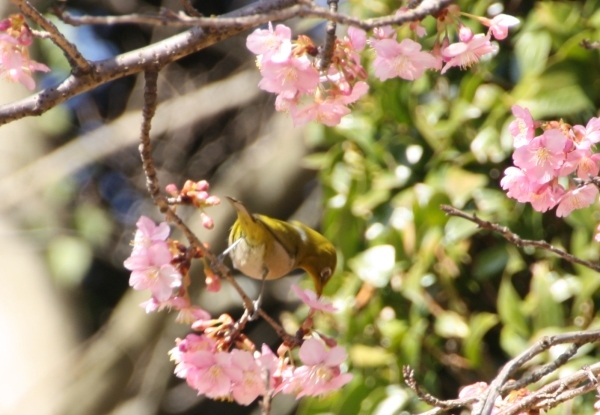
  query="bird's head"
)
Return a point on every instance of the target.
[{"x": 318, "y": 259}]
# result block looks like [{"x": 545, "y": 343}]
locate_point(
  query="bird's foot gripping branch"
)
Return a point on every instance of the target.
[{"x": 218, "y": 359}]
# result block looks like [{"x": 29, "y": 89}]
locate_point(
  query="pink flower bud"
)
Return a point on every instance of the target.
[
  {"x": 213, "y": 200},
  {"x": 202, "y": 185},
  {"x": 4, "y": 25},
  {"x": 201, "y": 195},
  {"x": 172, "y": 189},
  {"x": 207, "y": 221},
  {"x": 465, "y": 34},
  {"x": 213, "y": 282}
]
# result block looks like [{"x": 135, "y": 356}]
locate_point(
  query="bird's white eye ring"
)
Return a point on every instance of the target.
[{"x": 326, "y": 273}]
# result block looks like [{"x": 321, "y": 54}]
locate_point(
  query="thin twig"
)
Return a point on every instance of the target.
[
  {"x": 516, "y": 239},
  {"x": 76, "y": 60},
  {"x": 409, "y": 379},
  {"x": 554, "y": 393},
  {"x": 426, "y": 8},
  {"x": 189, "y": 9},
  {"x": 326, "y": 51},
  {"x": 541, "y": 372}
]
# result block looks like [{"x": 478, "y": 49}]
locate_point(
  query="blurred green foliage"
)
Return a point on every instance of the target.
[{"x": 422, "y": 289}]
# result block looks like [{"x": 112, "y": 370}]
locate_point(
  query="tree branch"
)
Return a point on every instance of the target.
[
  {"x": 282, "y": 11},
  {"x": 326, "y": 51},
  {"x": 516, "y": 239},
  {"x": 186, "y": 43},
  {"x": 164, "y": 52},
  {"x": 485, "y": 405}
]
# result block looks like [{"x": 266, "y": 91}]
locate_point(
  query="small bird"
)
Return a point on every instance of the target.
[{"x": 267, "y": 249}]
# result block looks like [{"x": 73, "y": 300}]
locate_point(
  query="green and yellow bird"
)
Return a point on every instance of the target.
[{"x": 267, "y": 249}]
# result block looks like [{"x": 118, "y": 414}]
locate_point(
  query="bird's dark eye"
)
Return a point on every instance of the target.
[{"x": 326, "y": 273}]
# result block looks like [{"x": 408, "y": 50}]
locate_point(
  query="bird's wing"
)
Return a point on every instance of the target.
[{"x": 286, "y": 234}]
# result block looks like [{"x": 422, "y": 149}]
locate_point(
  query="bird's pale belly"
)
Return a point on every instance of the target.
[{"x": 251, "y": 260}]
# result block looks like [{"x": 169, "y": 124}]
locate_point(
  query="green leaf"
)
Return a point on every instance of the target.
[
  {"x": 479, "y": 325},
  {"x": 510, "y": 309},
  {"x": 450, "y": 324},
  {"x": 532, "y": 50},
  {"x": 369, "y": 356},
  {"x": 545, "y": 310}
]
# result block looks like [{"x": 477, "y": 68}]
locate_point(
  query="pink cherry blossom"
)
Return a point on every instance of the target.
[
  {"x": 358, "y": 90},
  {"x": 404, "y": 59},
  {"x": 500, "y": 24},
  {"x": 183, "y": 353},
  {"x": 248, "y": 379},
  {"x": 328, "y": 112},
  {"x": 465, "y": 54},
  {"x": 288, "y": 78},
  {"x": 210, "y": 373},
  {"x": 384, "y": 32},
  {"x": 188, "y": 313},
  {"x": 273, "y": 45},
  {"x": 358, "y": 37},
  {"x": 597, "y": 236},
  {"x": 577, "y": 198},
  {"x": 544, "y": 197},
  {"x": 272, "y": 365},
  {"x": 321, "y": 371},
  {"x": 310, "y": 298},
  {"x": 581, "y": 160},
  {"x": 516, "y": 183},
  {"x": 148, "y": 233},
  {"x": 16, "y": 65},
  {"x": 542, "y": 156},
  {"x": 591, "y": 131},
  {"x": 474, "y": 390},
  {"x": 151, "y": 269},
  {"x": 191, "y": 314},
  {"x": 153, "y": 304},
  {"x": 522, "y": 128}
]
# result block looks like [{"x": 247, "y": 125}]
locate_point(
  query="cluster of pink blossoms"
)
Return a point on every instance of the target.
[
  {"x": 290, "y": 69},
  {"x": 543, "y": 161},
  {"x": 210, "y": 364},
  {"x": 243, "y": 375},
  {"x": 15, "y": 64},
  {"x": 156, "y": 268}
]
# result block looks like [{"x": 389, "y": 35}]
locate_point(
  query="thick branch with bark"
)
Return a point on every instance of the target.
[{"x": 205, "y": 32}]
